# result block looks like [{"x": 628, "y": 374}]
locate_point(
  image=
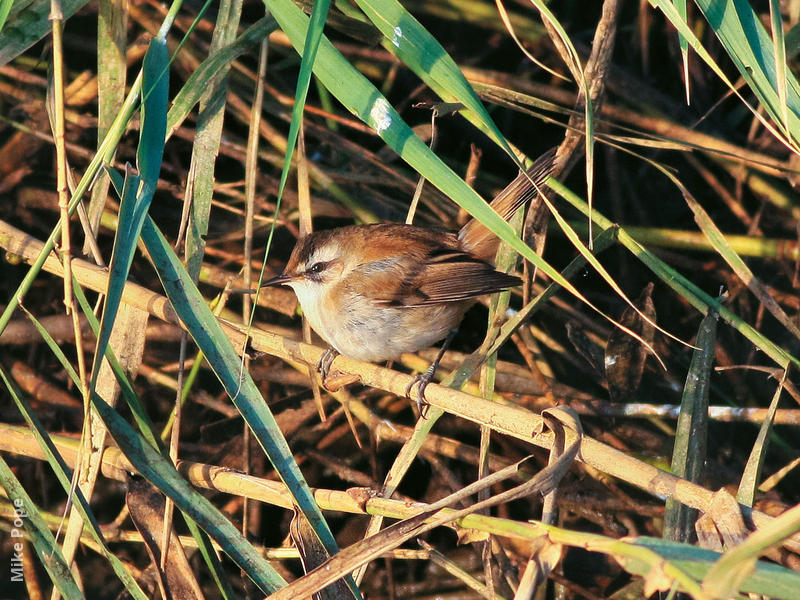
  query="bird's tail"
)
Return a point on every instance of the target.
[{"x": 476, "y": 237}]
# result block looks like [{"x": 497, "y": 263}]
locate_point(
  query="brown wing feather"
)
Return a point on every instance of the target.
[
  {"x": 448, "y": 275},
  {"x": 453, "y": 281},
  {"x": 415, "y": 266},
  {"x": 387, "y": 282}
]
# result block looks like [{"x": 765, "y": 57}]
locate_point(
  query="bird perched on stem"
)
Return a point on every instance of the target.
[{"x": 375, "y": 291}]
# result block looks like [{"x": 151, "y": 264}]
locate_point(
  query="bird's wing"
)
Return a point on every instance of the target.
[{"x": 445, "y": 275}]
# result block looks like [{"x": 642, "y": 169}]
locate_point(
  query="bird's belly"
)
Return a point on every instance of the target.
[{"x": 383, "y": 333}]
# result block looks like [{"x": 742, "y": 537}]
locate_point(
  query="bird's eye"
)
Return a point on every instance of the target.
[{"x": 317, "y": 267}]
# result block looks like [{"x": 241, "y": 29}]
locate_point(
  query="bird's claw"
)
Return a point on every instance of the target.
[
  {"x": 325, "y": 362},
  {"x": 421, "y": 380}
]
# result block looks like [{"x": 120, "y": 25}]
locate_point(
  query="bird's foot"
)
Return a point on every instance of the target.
[
  {"x": 325, "y": 362},
  {"x": 421, "y": 380},
  {"x": 336, "y": 380}
]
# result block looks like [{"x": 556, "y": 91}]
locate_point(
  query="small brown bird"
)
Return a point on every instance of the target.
[{"x": 373, "y": 292}]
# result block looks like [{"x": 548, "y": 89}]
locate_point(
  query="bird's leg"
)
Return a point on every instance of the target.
[
  {"x": 424, "y": 378},
  {"x": 325, "y": 362}
]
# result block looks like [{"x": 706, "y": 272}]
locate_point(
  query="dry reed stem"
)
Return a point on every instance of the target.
[
  {"x": 115, "y": 465},
  {"x": 513, "y": 421},
  {"x": 116, "y": 535}
]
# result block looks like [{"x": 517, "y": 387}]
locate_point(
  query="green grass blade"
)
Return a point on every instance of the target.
[
  {"x": 726, "y": 251},
  {"x": 208, "y": 136},
  {"x": 134, "y": 404},
  {"x": 210, "y": 557},
  {"x": 116, "y": 178},
  {"x": 5, "y": 8},
  {"x": 112, "y": 22},
  {"x": 63, "y": 474},
  {"x": 189, "y": 95},
  {"x": 155, "y": 96},
  {"x": 220, "y": 354},
  {"x": 750, "y": 48},
  {"x": 310, "y": 47},
  {"x": 406, "y": 38},
  {"x": 121, "y": 259},
  {"x": 104, "y": 154},
  {"x": 309, "y": 55},
  {"x": 792, "y": 41},
  {"x": 683, "y": 286},
  {"x": 142, "y": 421},
  {"x": 161, "y": 473},
  {"x": 751, "y": 475},
  {"x": 689, "y": 452},
  {"x": 262, "y": 421},
  {"x": 588, "y": 114},
  {"x": 47, "y": 550},
  {"x": 680, "y": 8},
  {"x": 769, "y": 579},
  {"x": 203, "y": 543},
  {"x": 29, "y": 22},
  {"x": 138, "y": 189},
  {"x": 54, "y": 347},
  {"x": 779, "y": 49},
  {"x": 730, "y": 572},
  {"x": 311, "y": 40}
]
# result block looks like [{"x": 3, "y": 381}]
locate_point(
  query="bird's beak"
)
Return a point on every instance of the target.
[{"x": 277, "y": 280}]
